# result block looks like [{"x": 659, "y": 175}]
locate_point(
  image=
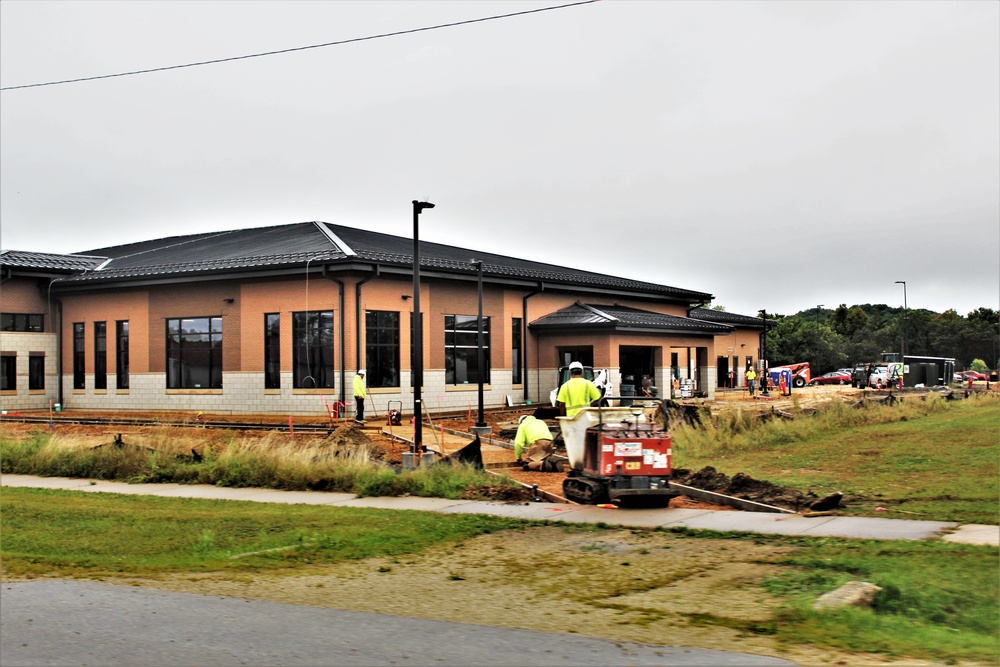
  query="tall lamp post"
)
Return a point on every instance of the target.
[
  {"x": 903, "y": 283},
  {"x": 764, "y": 376},
  {"x": 480, "y": 428},
  {"x": 417, "y": 324}
]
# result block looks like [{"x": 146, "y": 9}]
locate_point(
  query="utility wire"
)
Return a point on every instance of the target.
[{"x": 302, "y": 48}]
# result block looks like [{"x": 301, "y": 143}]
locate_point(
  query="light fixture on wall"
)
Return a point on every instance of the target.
[
  {"x": 406, "y": 297},
  {"x": 229, "y": 300}
]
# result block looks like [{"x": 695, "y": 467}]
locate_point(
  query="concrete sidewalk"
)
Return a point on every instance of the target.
[{"x": 696, "y": 519}]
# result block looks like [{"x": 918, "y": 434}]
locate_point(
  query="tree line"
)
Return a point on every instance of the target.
[{"x": 838, "y": 338}]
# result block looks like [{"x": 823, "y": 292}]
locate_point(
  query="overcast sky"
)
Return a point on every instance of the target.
[{"x": 777, "y": 155}]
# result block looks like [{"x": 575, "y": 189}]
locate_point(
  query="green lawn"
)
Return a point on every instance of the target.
[{"x": 924, "y": 459}]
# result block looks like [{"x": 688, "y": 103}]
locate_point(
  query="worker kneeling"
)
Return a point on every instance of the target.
[{"x": 533, "y": 443}]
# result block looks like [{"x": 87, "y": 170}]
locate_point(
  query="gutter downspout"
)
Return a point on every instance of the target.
[
  {"x": 59, "y": 351},
  {"x": 340, "y": 294},
  {"x": 357, "y": 315},
  {"x": 524, "y": 336}
]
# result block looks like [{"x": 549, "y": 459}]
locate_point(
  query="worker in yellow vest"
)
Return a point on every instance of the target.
[
  {"x": 533, "y": 442},
  {"x": 578, "y": 392},
  {"x": 751, "y": 380},
  {"x": 359, "y": 396}
]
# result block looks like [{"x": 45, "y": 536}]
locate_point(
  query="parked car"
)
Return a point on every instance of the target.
[
  {"x": 975, "y": 375},
  {"x": 834, "y": 377}
]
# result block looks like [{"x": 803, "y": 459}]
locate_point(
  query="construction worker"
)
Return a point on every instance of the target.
[
  {"x": 534, "y": 436},
  {"x": 578, "y": 392},
  {"x": 359, "y": 396},
  {"x": 751, "y": 380}
]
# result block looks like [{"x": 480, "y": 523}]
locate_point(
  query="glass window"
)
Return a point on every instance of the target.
[
  {"x": 312, "y": 349},
  {"x": 22, "y": 322},
  {"x": 79, "y": 359},
  {"x": 382, "y": 348},
  {"x": 36, "y": 370},
  {"x": 100, "y": 355},
  {"x": 272, "y": 351},
  {"x": 194, "y": 353},
  {"x": 461, "y": 349},
  {"x": 121, "y": 353},
  {"x": 515, "y": 350},
  {"x": 8, "y": 372}
]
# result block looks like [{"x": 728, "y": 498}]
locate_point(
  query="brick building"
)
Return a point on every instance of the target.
[{"x": 277, "y": 320}]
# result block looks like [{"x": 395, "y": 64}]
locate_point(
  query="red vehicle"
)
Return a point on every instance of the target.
[
  {"x": 835, "y": 377},
  {"x": 974, "y": 375}
]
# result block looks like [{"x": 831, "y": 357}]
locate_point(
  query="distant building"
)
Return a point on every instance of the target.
[{"x": 277, "y": 319}]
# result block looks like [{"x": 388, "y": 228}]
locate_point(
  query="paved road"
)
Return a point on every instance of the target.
[{"x": 90, "y": 623}]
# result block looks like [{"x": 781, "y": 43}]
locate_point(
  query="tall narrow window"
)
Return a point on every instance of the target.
[
  {"x": 515, "y": 351},
  {"x": 382, "y": 348},
  {"x": 79, "y": 358},
  {"x": 8, "y": 371},
  {"x": 121, "y": 353},
  {"x": 100, "y": 355},
  {"x": 272, "y": 351},
  {"x": 36, "y": 370},
  {"x": 461, "y": 349},
  {"x": 312, "y": 349},
  {"x": 194, "y": 353}
]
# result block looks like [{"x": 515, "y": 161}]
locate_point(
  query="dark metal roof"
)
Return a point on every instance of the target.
[
  {"x": 283, "y": 247},
  {"x": 44, "y": 261},
  {"x": 623, "y": 318},
  {"x": 745, "y": 321}
]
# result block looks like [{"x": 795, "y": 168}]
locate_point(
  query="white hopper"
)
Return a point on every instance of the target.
[{"x": 574, "y": 429}]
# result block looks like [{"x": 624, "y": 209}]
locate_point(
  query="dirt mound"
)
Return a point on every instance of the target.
[
  {"x": 743, "y": 486},
  {"x": 349, "y": 439}
]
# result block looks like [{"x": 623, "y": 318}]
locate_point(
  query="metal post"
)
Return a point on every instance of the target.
[
  {"x": 764, "y": 375},
  {"x": 417, "y": 363},
  {"x": 481, "y": 360},
  {"x": 903, "y": 283}
]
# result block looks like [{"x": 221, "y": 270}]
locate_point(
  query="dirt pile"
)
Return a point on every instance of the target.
[{"x": 743, "y": 486}]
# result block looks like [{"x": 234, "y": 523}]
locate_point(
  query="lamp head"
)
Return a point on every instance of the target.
[{"x": 421, "y": 205}]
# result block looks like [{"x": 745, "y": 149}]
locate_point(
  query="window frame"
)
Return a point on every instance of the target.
[
  {"x": 36, "y": 374},
  {"x": 457, "y": 347},
  {"x": 79, "y": 355},
  {"x": 318, "y": 348},
  {"x": 121, "y": 354},
  {"x": 272, "y": 351},
  {"x": 100, "y": 355},
  {"x": 8, "y": 371},
  {"x": 382, "y": 348},
  {"x": 187, "y": 348}
]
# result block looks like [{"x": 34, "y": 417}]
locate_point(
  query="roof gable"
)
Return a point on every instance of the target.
[{"x": 623, "y": 318}]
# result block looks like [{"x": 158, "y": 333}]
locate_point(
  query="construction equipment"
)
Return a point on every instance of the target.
[
  {"x": 618, "y": 453},
  {"x": 394, "y": 415},
  {"x": 801, "y": 374},
  {"x": 600, "y": 377}
]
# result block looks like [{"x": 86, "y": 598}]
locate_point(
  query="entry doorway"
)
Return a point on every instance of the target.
[
  {"x": 724, "y": 379},
  {"x": 637, "y": 364},
  {"x": 583, "y": 354}
]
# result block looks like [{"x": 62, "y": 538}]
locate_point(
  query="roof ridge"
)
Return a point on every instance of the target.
[
  {"x": 336, "y": 240},
  {"x": 599, "y": 312}
]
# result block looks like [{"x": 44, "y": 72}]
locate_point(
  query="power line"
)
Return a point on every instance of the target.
[{"x": 302, "y": 48}]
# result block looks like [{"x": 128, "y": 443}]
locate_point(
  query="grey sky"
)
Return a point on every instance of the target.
[{"x": 778, "y": 155}]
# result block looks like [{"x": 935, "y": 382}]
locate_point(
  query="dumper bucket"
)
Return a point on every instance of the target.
[{"x": 574, "y": 429}]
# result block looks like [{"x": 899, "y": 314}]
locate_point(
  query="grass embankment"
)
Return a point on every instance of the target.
[
  {"x": 919, "y": 459},
  {"x": 939, "y": 600},
  {"x": 272, "y": 462}
]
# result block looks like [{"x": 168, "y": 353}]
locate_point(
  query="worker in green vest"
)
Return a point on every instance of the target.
[
  {"x": 578, "y": 392},
  {"x": 533, "y": 442},
  {"x": 359, "y": 396}
]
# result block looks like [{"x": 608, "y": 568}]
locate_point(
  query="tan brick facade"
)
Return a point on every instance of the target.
[{"x": 243, "y": 305}]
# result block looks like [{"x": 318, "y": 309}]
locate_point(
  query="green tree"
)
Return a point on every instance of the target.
[{"x": 979, "y": 366}]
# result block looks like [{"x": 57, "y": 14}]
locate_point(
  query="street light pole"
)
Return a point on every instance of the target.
[
  {"x": 764, "y": 376},
  {"x": 903, "y": 283},
  {"x": 481, "y": 358},
  {"x": 417, "y": 326}
]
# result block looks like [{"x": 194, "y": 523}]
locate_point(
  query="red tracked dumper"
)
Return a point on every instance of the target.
[{"x": 620, "y": 454}]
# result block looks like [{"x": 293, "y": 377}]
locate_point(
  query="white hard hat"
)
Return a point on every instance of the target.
[
  {"x": 361, "y": 371},
  {"x": 576, "y": 365},
  {"x": 522, "y": 418}
]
